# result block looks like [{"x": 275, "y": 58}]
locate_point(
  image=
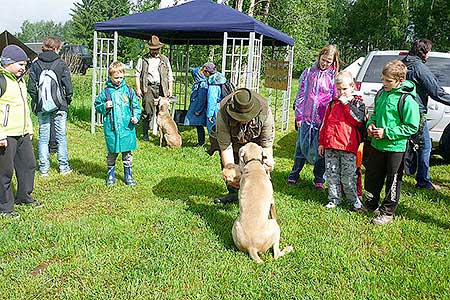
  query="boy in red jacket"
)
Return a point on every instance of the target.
[{"x": 339, "y": 139}]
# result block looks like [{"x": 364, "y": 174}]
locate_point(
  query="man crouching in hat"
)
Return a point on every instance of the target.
[
  {"x": 154, "y": 78},
  {"x": 16, "y": 150},
  {"x": 244, "y": 116}
]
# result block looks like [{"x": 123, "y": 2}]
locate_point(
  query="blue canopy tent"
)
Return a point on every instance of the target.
[{"x": 199, "y": 22}]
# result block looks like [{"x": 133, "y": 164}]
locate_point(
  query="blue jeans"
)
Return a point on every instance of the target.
[
  {"x": 299, "y": 162},
  {"x": 423, "y": 164},
  {"x": 59, "y": 118}
]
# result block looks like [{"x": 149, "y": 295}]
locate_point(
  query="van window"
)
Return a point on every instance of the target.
[
  {"x": 440, "y": 66},
  {"x": 373, "y": 73}
]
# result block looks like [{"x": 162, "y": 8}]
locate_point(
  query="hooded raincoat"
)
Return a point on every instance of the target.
[
  {"x": 214, "y": 96},
  {"x": 196, "y": 114},
  {"x": 120, "y": 132}
]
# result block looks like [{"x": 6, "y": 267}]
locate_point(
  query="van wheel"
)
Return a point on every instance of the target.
[{"x": 444, "y": 144}]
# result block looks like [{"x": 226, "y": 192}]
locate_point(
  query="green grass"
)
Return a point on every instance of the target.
[{"x": 165, "y": 239}]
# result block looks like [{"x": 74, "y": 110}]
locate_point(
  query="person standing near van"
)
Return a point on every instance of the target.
[
  {"x": 154, "y": 78},
  {"x": 16, "y": 131},
  {"x": 426, "y": 85},
  {"x": 49, "y": 60}
]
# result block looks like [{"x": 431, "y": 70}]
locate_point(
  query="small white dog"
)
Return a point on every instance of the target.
[{"x": 253, "y": 231}]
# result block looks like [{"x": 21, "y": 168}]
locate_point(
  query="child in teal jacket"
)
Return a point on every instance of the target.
[
  {"x": 390, "y": 129},
  {"x": 120, "y": 108}
]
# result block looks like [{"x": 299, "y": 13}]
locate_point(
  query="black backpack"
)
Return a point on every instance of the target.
[{"x": 226, "y": 89}]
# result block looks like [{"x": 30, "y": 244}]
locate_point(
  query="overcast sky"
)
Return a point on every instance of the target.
[{"x": 17, "y": 11}]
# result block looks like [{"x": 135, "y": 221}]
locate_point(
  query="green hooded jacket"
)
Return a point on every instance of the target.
[
  {"x": 385, "y": 115},
  {"x": 120, "y": 133}
]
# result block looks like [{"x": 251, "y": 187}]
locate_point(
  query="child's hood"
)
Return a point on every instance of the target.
[
  {"x": 407, "y": 86},
  {"x": 111, "y": 85},
  {"x": 217, "y": 78}
]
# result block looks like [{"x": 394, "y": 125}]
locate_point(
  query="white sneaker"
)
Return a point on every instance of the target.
[
  {"x": 330, "y": 205},
  {"x": 383, "y": 220},
  {"x": 66, "y": 171}
]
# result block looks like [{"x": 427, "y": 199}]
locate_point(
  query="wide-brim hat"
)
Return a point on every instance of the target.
[
  {"x": 243, "y": 105},
  {"x": 154, "y": 43}
]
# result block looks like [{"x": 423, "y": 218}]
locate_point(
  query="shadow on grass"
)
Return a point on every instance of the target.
[
  {"x": 413, "y": 214},
  {"x": 89, "y": 168},
  {"x": 285, "y": 147},
  {"x": 187, "y": 189},
  {"x": 220, "y": 222}
]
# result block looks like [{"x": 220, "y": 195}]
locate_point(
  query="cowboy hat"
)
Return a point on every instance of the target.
[
  {"x": 154, "y": 43},
  {"x": 243, "y": 104}
]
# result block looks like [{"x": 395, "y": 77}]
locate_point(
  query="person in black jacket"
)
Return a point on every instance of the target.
[
  {"x": 426, "y": 85},
  {"x": 49, "y": 59}
]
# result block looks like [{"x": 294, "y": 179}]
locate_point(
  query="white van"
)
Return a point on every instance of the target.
[{"x": 368, "y": 81}]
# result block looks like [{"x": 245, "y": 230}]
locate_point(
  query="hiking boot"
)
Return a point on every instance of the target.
[
  {"x": 383, "y": 220},
  {"x": 229, "y": 198}
]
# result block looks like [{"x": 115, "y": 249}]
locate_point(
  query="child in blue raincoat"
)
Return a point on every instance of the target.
[
  {"x": 120, "y": 108},
  {"x": 196, "y": 114},
  {"x": 215, "y": 80}
]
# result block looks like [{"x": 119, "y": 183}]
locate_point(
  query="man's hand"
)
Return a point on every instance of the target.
[
  {"x": 108, "y": 104},
  {"x": 138, "y": 93},
  {"x": 321, "y": 150},
  {"x": 3, "y": 143}
]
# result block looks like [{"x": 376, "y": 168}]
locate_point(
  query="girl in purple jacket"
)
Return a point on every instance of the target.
[{"x": 316, "y": 89}]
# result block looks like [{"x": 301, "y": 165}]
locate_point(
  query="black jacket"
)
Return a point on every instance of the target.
[
  {"x": 426, "y": 83},
  {"x": 62, "y": 72}
]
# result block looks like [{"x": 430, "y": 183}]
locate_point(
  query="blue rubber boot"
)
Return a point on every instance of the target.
[
  {"x": 111, "y": 176},
  {"x": 128, "y": 175}
]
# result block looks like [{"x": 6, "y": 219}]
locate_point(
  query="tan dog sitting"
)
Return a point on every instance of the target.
[
  {"x": 168, "y": 130},
  {"x": 253, "y": 231}
]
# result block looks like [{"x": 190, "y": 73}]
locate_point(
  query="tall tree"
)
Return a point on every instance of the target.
[{"x": 36, "y": 32}]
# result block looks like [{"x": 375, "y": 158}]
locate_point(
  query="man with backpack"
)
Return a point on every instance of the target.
[
  {"x": 426, "y": 85},
  {"x": 50, "y": 87},
  {"x": 16, "y": 131}
]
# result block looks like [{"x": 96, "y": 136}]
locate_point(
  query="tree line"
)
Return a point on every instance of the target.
[{"x": 355, "y": 26}]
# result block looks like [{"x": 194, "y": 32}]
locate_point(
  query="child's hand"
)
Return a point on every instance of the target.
[
  {"x": 344, "y": 99},
  {"x": 108, "y": 104},
  {"x": 378, "y": 133},
  {"x": 370, "y": 130},
  {"x": 134, "y": 120},
  {"x": 3, "y": 143},
  {"x": 321, "y": 150}
]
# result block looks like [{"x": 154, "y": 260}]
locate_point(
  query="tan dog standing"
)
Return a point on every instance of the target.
[
  {"x": 168, "y": 130},
  {"x": 253, "y": 231}
]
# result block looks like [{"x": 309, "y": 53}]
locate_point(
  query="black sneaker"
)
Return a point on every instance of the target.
[
  {"x": 12, "y": 215},
  {"x": 229, "y": 198},
  {"x": 34, "y": 204}
]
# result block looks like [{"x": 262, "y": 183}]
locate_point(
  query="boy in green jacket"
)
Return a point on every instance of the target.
[{"x": 389, "y": 130}]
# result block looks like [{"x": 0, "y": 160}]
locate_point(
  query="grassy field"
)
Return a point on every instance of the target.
[{"x": 165, "y": 239}]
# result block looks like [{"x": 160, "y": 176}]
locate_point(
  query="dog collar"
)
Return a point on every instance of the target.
[{"x": 253, "y": 159}]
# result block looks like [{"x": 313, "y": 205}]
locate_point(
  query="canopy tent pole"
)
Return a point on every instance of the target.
[
  {"x": 224, "y": 53},
  {"x": 94, "y": 85},
  {"x": 251, "y": 46}
]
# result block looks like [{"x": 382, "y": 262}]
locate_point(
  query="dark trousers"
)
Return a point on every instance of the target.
[
  {"x": 200, "y": 135},
  {"x": 150, "y": 107},
  {"x": 383, "y": 166},
  {"x": 18, "y": 156}
]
